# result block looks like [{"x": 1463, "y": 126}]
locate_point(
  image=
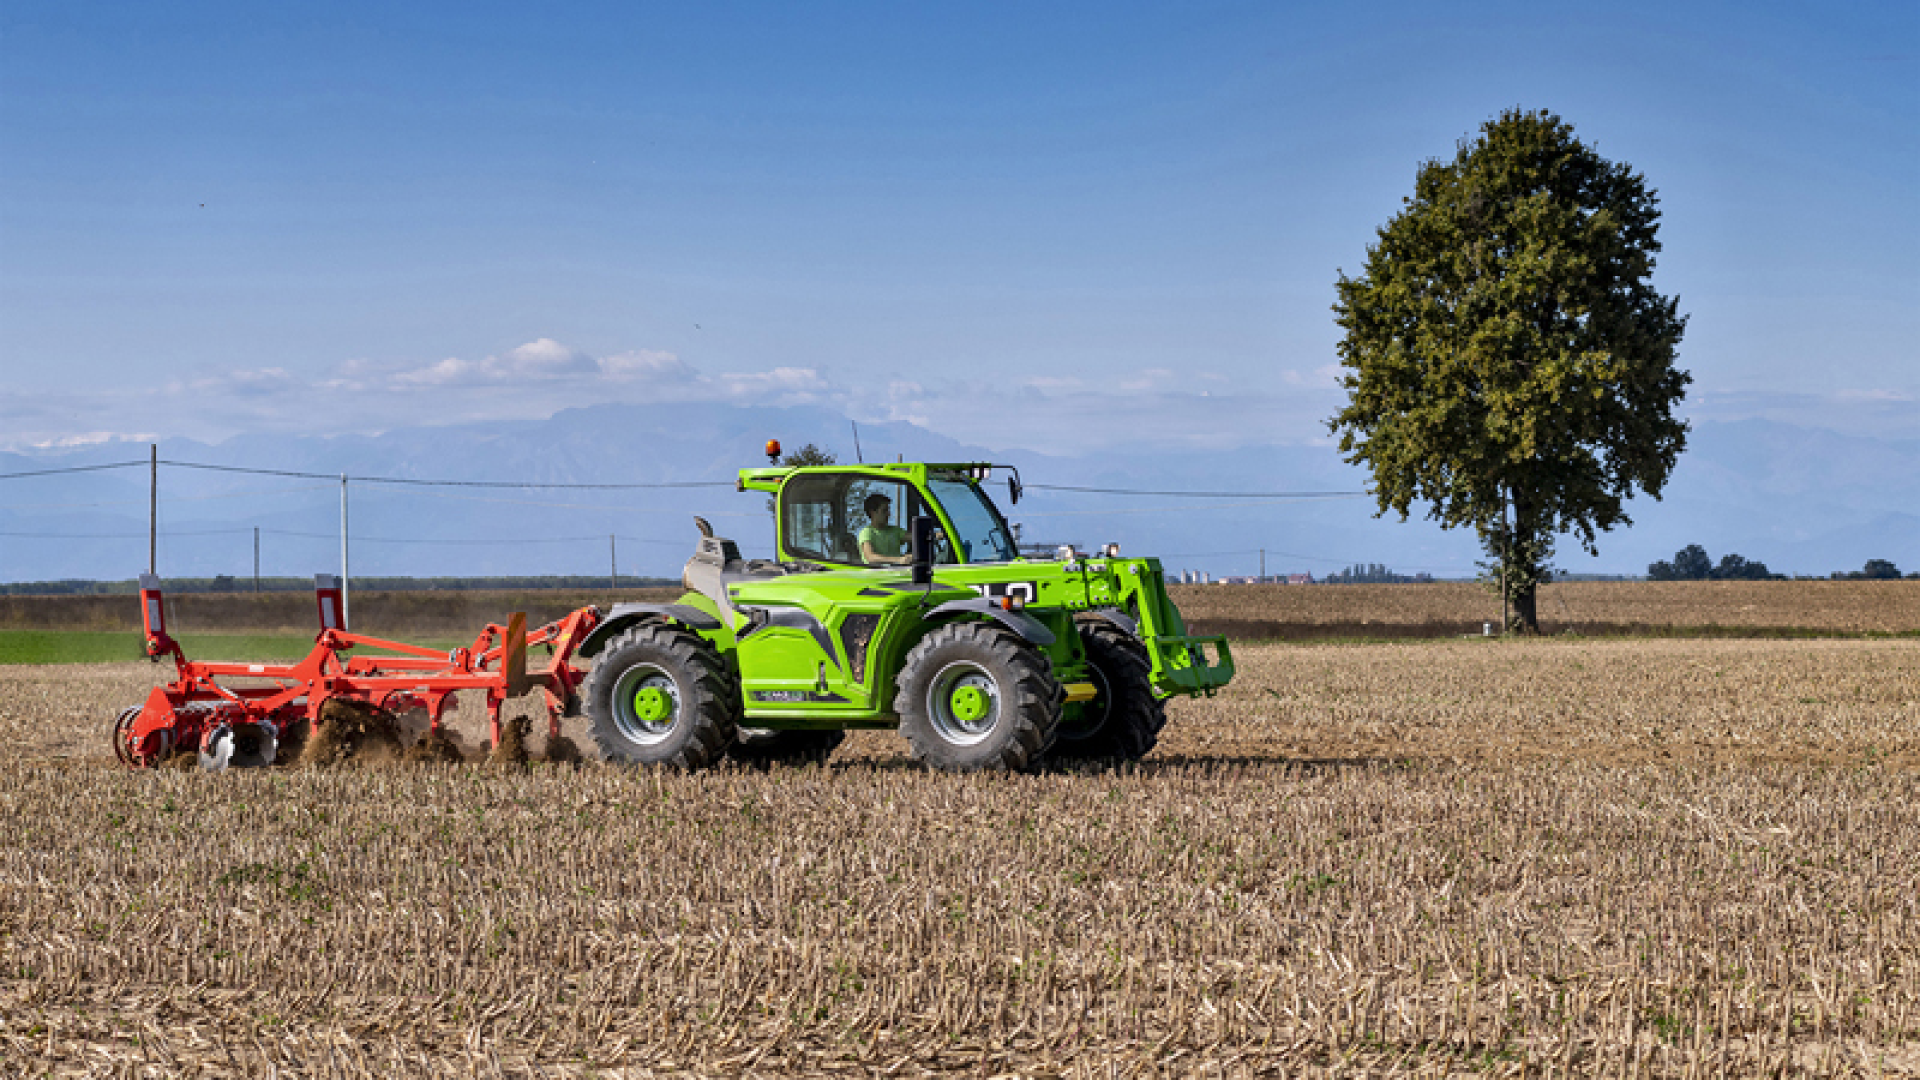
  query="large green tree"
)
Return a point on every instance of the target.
[{"x": 1508, "y": 360}]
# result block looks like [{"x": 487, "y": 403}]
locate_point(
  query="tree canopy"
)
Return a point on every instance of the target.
[
  {"x": 1509, "y": 362},
  {"x": 1692, "y": 563}
]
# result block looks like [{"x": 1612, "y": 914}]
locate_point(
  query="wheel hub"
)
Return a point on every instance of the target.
[
  {"x": 1086, "y": 719},
  {"x": 970, "y": 703},
  {"x": 652, "y": 704}
]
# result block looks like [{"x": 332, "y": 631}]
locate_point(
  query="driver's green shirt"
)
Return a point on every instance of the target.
[{"x": 884, "y": 539}]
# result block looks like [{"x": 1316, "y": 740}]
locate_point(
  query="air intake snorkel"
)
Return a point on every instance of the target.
[{"x": 920, "y": 542}]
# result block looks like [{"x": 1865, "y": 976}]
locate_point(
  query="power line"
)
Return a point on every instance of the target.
[
  {"x": 168, "y": 534},
  {"x": 1201, "y": 494},
  {"x": 122, "y": 536},
  {"x": 663, "y": 485},
  {"x": 73, "y": 469},
  {"x": 579, "y": 506},
  {"x": 1109, "y": 512},
  {"x": 461, "y": 543},
  {"x": 142, "y": 501},
  {"x": 411, "y": 482}
]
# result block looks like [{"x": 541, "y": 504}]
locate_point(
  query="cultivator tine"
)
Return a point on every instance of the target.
[{"x": 513, "y": 660}]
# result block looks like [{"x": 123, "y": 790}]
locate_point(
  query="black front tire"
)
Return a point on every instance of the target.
[
  {"x": 973, "y": 696},
  {"x": 1123, "y": 722},
  {"x": 660, "y": 695}
]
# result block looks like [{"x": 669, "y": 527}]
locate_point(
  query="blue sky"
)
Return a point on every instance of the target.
[{"x": 1053, "y": 227}]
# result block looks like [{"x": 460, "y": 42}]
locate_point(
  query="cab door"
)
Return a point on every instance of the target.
[{"x": 821, "y": 514}]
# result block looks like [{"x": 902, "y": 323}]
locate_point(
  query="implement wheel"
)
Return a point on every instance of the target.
[
  {"x": 660, "y": 695},
  {"x": 973, "y": 696},
  {"x": 1123, "y": 721}
]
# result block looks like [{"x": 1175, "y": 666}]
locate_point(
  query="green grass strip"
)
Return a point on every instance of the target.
[{"x": 111, "y": 646}]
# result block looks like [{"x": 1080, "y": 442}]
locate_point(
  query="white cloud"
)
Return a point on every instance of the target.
[
  {"x": 544, "y": 358},
  {"x": 89, "y": 438},
  {"x": 447, "y": 372},
  {"x": 645, "y": 364},
  {"x": 1873, "y": 395},
  {"x": 540, "y": 360},
  {"x": 360, "y": 395},
  {"x": 256, "y": 382},
  {"x": 1324, "y": 377},
  {"x": 805, "y": 382}
]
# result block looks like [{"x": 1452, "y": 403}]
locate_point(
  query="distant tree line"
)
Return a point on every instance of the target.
[
  {"x": 226, "y": 583},
  {"x": 1692, "y": 563},
  {"x": 1875, "y": 570},
  {"x": 1373, "y": 574}
]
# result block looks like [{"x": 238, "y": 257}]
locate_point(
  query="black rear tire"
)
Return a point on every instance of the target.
[
  {"x": 764, "y": 746},
  {"x": 973, "y": 696},
  {"x": 660, "y": 695},
  {"x": 1123, "y": 722}
]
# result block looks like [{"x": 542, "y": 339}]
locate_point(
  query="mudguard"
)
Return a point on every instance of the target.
[
  {"x": 1121, "y": 619},
  {"x": 625, "y": 615},
  {"x": 1019, "y": 622}
]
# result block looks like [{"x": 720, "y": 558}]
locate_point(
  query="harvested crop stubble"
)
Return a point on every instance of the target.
[
  {"x": 1283, "y": 611},
  {"x": 1838, "y": 702},
  {"x": 1253, "y": 918},
  {"x": 1603, "y": 857}
]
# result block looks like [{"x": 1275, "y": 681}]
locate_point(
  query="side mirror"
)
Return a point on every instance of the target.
[
  {"x": 920, "y": 541},
  {"x": 1014, "y": 489}
]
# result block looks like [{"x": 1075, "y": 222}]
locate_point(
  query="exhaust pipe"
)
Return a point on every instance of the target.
[{"x": 239, "y": 746}]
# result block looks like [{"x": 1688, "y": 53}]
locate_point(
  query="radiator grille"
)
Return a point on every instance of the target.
[{"x": 855, "y": 635}]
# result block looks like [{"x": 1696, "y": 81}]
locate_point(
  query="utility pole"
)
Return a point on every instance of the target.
[
  {"x": 1263, "y": 566},
  {"x": 1506, "y": 553},
  {"x": 346, "y": 579},
  {"x": 256, "y": 558},
  {"x": 613, "y": 565},
  {"x": 153, "y": 505}
]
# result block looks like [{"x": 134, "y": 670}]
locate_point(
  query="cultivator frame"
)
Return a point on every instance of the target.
[{"x": 199, "y": 708}]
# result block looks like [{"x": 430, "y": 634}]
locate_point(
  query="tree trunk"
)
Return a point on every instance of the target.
[
  {"x": 1526, "y": 619},
  {"x": 1525, "y": 566}
]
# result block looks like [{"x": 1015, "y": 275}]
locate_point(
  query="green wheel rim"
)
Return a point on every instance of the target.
[
  {"x": 964, "y": 703},
  {"x": 646, "y": 703}
]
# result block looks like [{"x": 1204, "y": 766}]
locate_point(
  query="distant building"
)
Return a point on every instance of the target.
[{"x": 1299, "y": 579}]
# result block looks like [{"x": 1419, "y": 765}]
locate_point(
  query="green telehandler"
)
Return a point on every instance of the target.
[{"x": 983, "y": 658}]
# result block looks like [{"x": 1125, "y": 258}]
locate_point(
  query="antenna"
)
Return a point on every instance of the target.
[{"x": 858, "y": 456}]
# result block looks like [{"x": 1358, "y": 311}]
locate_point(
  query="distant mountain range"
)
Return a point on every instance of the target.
[{"x": 1799, "y": 499}]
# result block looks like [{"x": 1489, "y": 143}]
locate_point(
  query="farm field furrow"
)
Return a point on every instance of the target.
[{"x": 1661, "y": 857}]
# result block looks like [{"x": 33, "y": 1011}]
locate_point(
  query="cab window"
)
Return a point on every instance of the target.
[{"x": 821, "y": 514}]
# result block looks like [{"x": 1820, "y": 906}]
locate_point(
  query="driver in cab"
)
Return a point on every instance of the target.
[{"x": 881, "y": 543}]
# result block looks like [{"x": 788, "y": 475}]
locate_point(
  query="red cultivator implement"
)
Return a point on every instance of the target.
[{"x": 234, "y": 714}]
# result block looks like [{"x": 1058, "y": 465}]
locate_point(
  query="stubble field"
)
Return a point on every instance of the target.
[
  {"x": 1665, "y": 857},
  {"x": 1253, "y": 612},
  {"x": 1283, "y": 612}
]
